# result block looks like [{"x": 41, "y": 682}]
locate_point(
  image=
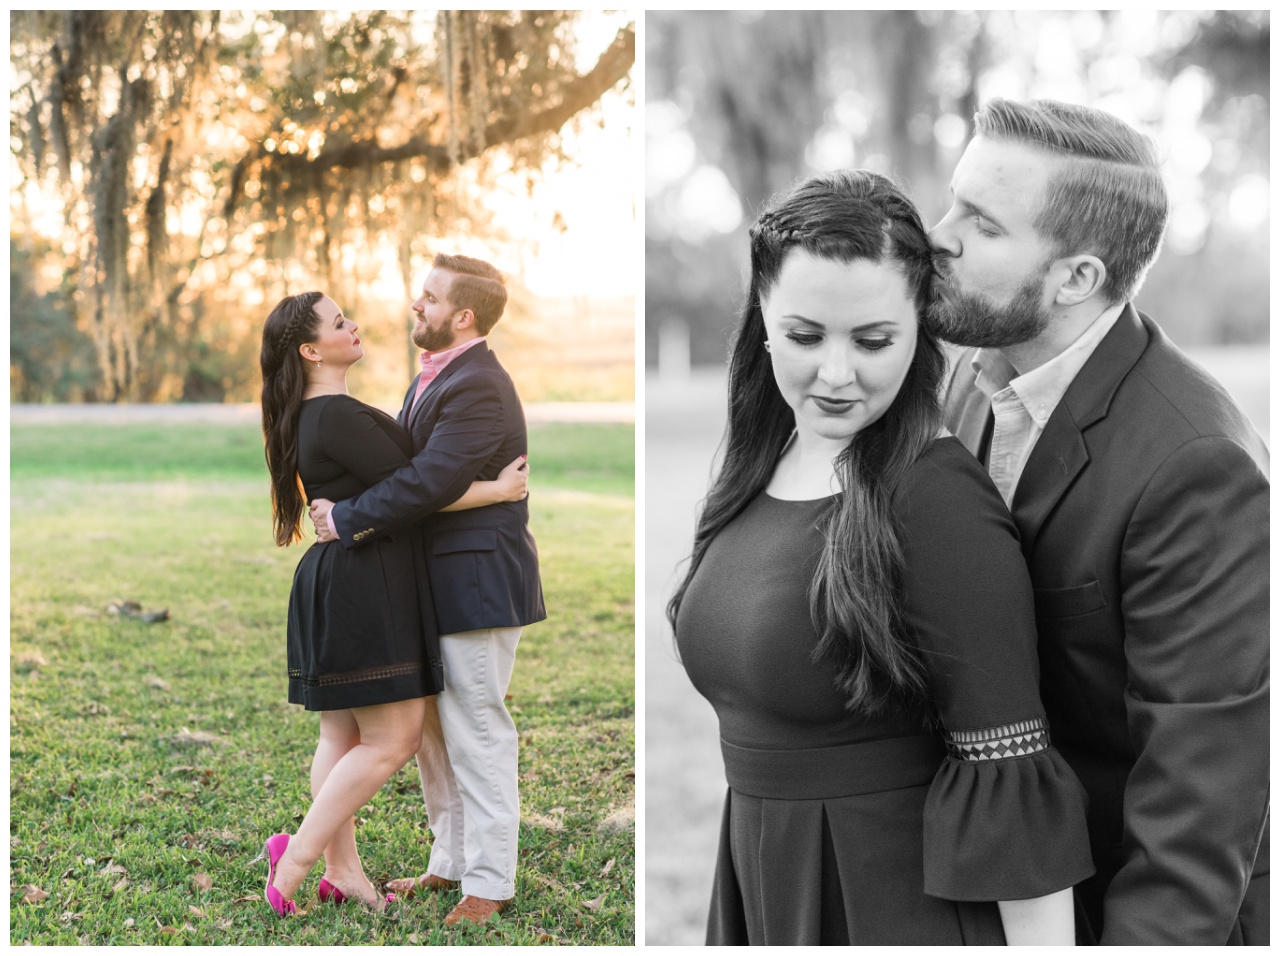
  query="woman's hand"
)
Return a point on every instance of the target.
[{"x": 513, "y": 481}]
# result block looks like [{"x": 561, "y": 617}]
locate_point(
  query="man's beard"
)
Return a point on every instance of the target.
[
  {"x": 432, "y": 340},
  {"x": 970, "y": 318}
]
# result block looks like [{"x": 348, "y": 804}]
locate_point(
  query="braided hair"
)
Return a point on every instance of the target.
[
  {"x": 291, "y": 323},
  {"x": 855, "y": 598}
]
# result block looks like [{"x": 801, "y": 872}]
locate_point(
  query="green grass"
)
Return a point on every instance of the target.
[
  {"x": 115, "y": 809},
  {"x": 594, "y": 458}
]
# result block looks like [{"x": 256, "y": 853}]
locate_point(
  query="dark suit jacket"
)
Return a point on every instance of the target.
[
  {"x": 483, "y": 562},
  {"x": 1143, "y": 511}
]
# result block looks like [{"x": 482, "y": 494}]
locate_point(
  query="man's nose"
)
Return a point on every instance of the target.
[{"x": 944, "y": 239}]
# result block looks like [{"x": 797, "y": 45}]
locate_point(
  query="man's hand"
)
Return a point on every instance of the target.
[{"x": 320, "y": 509}]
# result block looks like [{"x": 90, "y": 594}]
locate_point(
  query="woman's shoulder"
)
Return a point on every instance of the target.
[
  {"x": 338, "y": 407},
  {"x": 946, "y": 476},
  {"x": 944, "y": 459}
]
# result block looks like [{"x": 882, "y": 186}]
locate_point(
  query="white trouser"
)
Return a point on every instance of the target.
[{"x": 469, "y": 764}]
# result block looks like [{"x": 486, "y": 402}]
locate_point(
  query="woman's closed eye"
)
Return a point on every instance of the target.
[
  {"x": 875, "y": 345},
  {"x": 804, "y": 338}
]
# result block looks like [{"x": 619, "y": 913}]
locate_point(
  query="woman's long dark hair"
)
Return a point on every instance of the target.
[
  {"x": 856, "y": 595},
  {"x": 292, "y": 322}
]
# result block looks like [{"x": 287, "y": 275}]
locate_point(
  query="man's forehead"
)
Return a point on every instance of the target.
[
  {"x": 1003, "y": 172},
  {"x": 437, "y": 280}
]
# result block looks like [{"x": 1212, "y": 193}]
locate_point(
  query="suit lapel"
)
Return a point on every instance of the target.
[
  {"x": 1060, "y": 453},
  {"x": 466, "y": 358},
  {"x": 967, "y": 406},
  {"x": 403, "y": 417}
]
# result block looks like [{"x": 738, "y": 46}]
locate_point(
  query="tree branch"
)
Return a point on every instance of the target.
[{"x": 576, "y": 95}]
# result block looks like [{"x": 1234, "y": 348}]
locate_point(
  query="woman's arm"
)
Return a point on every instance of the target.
[
  {"x": 1043, "y": 921},
  {"x": 512, "y": 484}
]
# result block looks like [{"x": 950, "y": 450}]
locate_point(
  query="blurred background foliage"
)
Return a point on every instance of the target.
[
  {"x": 174, "y": 173},
  {"x": 738, "y": 105}
]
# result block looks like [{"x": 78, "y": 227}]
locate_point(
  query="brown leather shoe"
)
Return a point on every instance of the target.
[
  {"x": 475, "y": 909},
  {"x": 407, "y": 888}
]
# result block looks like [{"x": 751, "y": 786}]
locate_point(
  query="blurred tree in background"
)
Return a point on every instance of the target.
[
  {"x": 175, "y": 172},
  {"x": 738, "y": 105}
]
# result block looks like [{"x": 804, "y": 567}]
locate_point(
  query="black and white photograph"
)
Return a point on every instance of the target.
[{"x": 957, "y": 496}]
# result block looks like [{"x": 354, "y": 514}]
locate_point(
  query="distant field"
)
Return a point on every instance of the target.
[{"x": 598, "y": 458}]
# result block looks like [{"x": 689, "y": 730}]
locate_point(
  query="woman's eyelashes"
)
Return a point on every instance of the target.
[
  {"x": 804, "y": 338},
  {"x": 807, "y": 339}
]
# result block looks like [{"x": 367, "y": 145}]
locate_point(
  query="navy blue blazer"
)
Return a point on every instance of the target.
[
  {"x": 483, "y": 562},
  {"x": 1143, "y": 511}
]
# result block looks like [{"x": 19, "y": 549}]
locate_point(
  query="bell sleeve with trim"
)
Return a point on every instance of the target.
[{"x": 1005, "y": 814}]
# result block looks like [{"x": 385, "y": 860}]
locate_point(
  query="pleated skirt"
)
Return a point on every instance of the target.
[
  {"x": 800, "y": 866},
  {"x": 362, "y": 627}
]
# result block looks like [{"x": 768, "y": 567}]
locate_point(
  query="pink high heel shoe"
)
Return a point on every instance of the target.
[
  {"x": 272, "y": 850},
  {"x": 328, "y": 893}
]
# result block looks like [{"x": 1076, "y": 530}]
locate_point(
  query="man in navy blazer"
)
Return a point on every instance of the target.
[
  {"x": 1141, "y": 495},
  {"x": 466, "y": 422}
]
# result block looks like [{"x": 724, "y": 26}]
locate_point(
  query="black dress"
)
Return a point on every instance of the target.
[
  {"x": 843, "y": 828},
  {"x": 362, "y": 626}
]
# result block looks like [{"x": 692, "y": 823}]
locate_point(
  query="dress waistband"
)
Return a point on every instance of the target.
[{"x": 816, "y": 773}]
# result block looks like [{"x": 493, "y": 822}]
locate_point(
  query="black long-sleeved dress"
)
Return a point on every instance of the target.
[
  {"x": 843, "y": 828},
  {"x": 362, "y": 627}
]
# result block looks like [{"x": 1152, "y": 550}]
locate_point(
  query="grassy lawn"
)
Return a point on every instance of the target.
[{"x": 149, "y": 761}]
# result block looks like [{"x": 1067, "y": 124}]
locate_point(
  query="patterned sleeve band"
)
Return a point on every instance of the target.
[{"x": 997, "y": 743}]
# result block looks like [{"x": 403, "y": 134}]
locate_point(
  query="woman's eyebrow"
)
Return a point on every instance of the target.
[{"x": 879, "y": 323}]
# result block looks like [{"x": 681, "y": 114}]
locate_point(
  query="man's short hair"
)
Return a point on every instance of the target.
[
  {"x": 477, "y": 286},
  {"x": 1105, "y": 196}
]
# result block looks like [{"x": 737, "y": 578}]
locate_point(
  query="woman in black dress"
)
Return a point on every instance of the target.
[
  {"x": 362, "y": 641},
  {"x": 859, "y": 615}
]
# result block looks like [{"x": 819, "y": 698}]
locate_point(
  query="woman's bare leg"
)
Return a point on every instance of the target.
[
  {"x": 339, "y": 732},
  {"x": 389, "y": 737}
]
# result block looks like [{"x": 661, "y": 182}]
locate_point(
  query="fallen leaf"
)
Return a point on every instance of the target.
[
  {"x": 413, "y": 938},
  {"x": 128, "y": 924},
  {"x": 157, "y": 683},
  {"x": 198, "y": 738},
  {"x": 595, "y": 904},
  {"x": 544, "y": 938},
  {"x": 112, "y": 867},
  {"x": 29, "y": 661},
  {"x": 195, "y": 911},
  {"x": 607, "y": 867},
  {"x": 33, "y": 894},
  {"x": 203, "y": 880},
  {"x": 124, "y": 881},
  {"x": 223, "y": 923}
]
